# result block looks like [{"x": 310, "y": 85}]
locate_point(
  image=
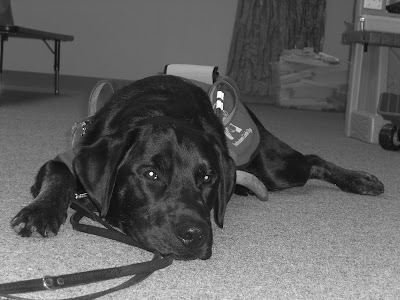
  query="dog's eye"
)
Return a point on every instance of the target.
[
  {"x": 151, "y": 175},
  {"x": 207, "y": 178}
]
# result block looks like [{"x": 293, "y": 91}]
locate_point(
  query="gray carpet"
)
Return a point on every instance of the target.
[{"x": 312, "y": 242}]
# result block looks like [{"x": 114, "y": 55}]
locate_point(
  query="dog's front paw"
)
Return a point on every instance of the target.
[
  {"x": 362, "y": 183},
  {"x": 39, "y": 220}
]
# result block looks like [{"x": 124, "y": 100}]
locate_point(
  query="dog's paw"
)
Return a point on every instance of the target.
[
  {"x": 362, "y": 183},
  {"x": 38, "y": 220}
]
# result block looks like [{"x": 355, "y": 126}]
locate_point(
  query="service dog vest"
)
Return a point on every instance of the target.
[{"x": 242, "y": 135}]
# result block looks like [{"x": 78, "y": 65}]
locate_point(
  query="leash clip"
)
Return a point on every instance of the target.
[
  {"x": 51, "y": 284},
  {"x": 78, "y": 130},
  {"x": 82, "y": 126}
]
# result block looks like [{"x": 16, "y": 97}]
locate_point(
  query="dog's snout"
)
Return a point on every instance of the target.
[{"x": 193, "y": 235}]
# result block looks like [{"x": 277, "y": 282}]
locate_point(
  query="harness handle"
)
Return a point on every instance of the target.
[
  {"x": 103, "y": 86},
  {"x": 216, "y": 87}
]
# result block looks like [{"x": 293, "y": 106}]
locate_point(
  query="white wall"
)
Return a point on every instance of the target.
[
  {"x": 338, "y": 11},
  {"x": 124, "y": 39},
  {"x": 130, "y": 39}
]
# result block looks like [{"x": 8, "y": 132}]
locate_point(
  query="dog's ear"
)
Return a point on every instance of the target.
[
  {"x": 96, "y": 167},
  {"x": 226, "y": 184}
]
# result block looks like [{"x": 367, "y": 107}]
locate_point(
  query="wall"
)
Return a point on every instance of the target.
[
  {"x": 338, "y": 11},
  {"x": 123, "y": 39},
  {"x": 128, "y": 39}
]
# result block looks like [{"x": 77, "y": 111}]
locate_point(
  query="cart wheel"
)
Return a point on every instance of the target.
[{"x": 389, "y": 137}]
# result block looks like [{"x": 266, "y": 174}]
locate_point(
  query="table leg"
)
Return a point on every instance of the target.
[
  {"x": 57, "y": 47},
  {"x": 1, "y": 60}
]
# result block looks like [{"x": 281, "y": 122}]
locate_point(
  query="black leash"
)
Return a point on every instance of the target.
[
  {"x": 140, "y": 270},
  {"x": 111, "y": 233}
]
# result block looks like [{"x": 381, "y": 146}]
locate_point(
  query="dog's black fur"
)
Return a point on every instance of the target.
[{"x": 156, "y": 157}]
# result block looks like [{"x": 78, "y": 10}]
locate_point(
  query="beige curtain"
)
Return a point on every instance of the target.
[
  {"x": 263, "y": 28},
  {"x": 6, "y": 17}
]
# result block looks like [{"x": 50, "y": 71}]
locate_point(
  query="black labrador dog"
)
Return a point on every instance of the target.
[{"x": 155, "y": 162}]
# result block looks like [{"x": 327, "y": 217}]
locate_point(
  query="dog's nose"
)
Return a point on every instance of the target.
[{"x": 192, "y": 236}]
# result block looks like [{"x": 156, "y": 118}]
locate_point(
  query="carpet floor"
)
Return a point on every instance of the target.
[{"x": 311, "y": 242}]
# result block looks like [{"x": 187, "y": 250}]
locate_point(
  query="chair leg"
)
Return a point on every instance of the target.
[
  {"x": 2, "y": 39},
  {"x": 57, "y": 46}
]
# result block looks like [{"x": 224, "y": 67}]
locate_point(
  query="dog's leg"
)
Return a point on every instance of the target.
[
  {"x": 280, "y": 167},
  {"x": 350, "y": 181},
  {"x": 53, "y": 191}
]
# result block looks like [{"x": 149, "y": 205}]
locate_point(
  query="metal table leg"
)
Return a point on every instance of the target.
[
  {"x": 57, "y": 46},
  {"x": 2, "y": 39}
]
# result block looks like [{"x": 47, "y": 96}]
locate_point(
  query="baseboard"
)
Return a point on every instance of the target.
[{"x": 45, "y": 81}]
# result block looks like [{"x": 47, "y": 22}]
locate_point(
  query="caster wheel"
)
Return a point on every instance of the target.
[{"x": 389, "y": 137}]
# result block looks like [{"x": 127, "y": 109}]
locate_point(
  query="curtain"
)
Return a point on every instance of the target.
[
  {"x": 263, "y": 28},
  {"x": 6, "y": 17}
]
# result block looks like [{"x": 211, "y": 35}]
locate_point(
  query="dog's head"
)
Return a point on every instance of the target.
[{"x": 159, "y": 182}]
